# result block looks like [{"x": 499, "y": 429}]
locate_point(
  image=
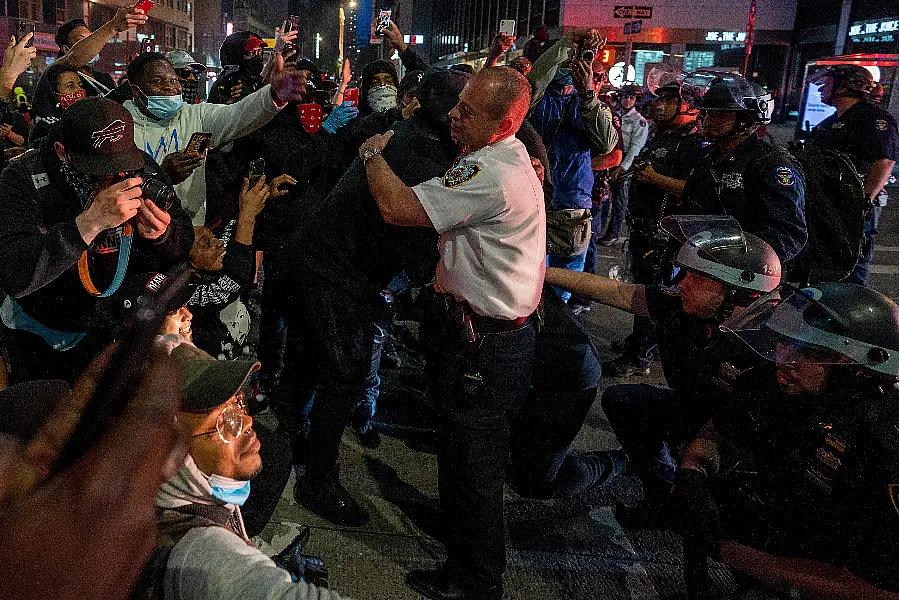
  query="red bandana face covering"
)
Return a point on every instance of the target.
[
  {"x": 67, "y": 100},
  {"x": 310, "y": 116}
]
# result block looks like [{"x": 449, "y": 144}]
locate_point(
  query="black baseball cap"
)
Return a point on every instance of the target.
[
  {"x": 98, "y": 135},
  {"x": 149, "y": 284},
  {"x": 206, "y": 382}
]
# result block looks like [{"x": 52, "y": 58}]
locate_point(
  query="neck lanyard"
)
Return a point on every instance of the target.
[{"x": 125, "y": 240}]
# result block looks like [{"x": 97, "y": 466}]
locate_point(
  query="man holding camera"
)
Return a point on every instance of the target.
[
  {"x": 574, "y": 125},
  {"x": 80, "y": 212}
]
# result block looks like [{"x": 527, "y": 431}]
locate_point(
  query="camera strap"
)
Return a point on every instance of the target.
[{"x": 126, "y": 238}]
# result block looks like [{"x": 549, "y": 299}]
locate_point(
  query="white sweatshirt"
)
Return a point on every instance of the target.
[
  {"x": 213, "y": 563},
  {"x": 225, "y": 122}
]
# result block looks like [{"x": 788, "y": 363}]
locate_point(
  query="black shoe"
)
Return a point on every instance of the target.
[
  {"x": 604, "y": 466},
  {"x": 370, "y": 438},
  {"x": 618, "y": 347},
  {"x": 621, "y": 367},
  {"x": 608, "y": 241},
  {"x": 330, "y": 500},
  {"x": 436, "y": 585}
]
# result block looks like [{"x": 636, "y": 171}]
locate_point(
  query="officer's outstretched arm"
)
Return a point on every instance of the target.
[
  {"x": 815, "y": 579},
  {"x": 626, "y": 296}
]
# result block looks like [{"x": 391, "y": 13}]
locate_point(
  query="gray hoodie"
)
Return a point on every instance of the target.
[{"x": 214, "y": 563}]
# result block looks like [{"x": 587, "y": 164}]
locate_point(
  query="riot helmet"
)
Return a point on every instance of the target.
[
  {"x": 726, "y": 92},
  {"x": 827, "y": 323},
  {"x": 843, "y": 80},
  {"x": 716, "y": 247},
  {"x": 663, "y": 82}
]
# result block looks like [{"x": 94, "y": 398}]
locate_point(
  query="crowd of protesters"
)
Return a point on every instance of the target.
[{"x": 172, "y": 266}]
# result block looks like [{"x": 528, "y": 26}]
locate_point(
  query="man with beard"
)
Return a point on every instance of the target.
[
  {"x": 343, "y": 255},
  {"x": 794, "y": 483},
  {"x": 655, "y": 190}
]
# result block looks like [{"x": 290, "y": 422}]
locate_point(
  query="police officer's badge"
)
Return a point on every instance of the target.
[
  {"x": 893, "y": 488},
  {"x": 880, "y": 124},
  {"x": 460, "y": 174},
  {"x": 784, "y": 176}
]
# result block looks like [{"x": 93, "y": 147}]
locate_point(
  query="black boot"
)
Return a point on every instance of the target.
[
  {"x": 326, "y": 497},
  {"x": 435, "y": 584}
]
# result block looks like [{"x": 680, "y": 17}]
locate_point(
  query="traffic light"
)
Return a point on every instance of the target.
[{"x": 607, "y": 57}]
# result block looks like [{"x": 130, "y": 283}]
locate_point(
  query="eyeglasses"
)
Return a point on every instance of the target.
[{"x": 232, "y": 422}]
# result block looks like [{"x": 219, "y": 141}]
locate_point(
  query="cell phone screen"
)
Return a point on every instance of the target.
[
  {"x": 198, "y": 142},
  {"x": 257, "y": 171}
]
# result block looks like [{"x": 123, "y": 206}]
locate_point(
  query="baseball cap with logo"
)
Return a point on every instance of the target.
[
  {"x": 98, "y": 135},
  {"x": 207, "y": 382}
]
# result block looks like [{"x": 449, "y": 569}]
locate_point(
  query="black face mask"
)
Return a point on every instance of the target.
[
  {"x": 253, "y": 66},
  {"x": 190, "y": 90}
]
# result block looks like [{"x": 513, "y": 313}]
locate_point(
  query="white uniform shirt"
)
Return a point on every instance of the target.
[
  {"x": 634, "y": 131},
  {"x": 490, "y": 214}
]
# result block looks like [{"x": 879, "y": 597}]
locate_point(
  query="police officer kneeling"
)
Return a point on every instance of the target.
[
  {"x": 723, "y": 269},
  {"x": 794, "y": 482},
  {"x": 489, "y": 211}
]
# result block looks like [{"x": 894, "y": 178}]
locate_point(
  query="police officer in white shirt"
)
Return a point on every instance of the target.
[{"x": 489, "y": 211}]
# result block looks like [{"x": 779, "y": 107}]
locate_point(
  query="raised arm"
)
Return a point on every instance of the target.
[{"x": 81, "y": 53}]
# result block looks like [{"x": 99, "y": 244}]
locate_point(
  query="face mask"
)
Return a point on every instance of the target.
[
  {"x": 94, "y": 60},
  {"x": 310, "y": 116},
  {"x": 382, "y": 98},
  {"x": 253, "y": 66},
  {"x": 190, "y": 90},
  {"x": 162, "y": 107},
  {"x": 67, "y": 100},
  {"x": 229, "y": 491}
]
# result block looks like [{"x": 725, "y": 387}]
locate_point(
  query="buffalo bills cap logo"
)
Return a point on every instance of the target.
[{"x": 111, "y": 133}]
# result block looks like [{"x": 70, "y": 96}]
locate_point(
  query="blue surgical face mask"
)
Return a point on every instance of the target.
[
  {"x": 163, "y": 107},
  {"x": 229, "y": 491}
]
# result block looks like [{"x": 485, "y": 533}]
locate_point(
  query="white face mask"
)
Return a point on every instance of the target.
[{"x": 382, "y": 98}]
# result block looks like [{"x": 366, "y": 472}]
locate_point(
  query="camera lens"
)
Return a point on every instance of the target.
[
  {"x": 588, "y": 55},
  {"x": 157, "y": 192}
]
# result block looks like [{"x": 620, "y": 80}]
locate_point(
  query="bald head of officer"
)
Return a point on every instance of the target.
[{"x": 491, "y": 108}]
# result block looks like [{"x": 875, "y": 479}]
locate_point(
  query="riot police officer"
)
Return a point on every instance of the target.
[
  {"x": 722, "y": 268},
  {"x": 739, "y": 174},
  {"x": 655, "y": 190},
  {"x": 794, "y": 481},
  {"x": 866, "y": 133}
]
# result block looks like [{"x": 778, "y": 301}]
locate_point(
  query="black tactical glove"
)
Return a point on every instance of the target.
[
  {"x": 302, "y": 567},
  {"x": 700, "y": 526}
]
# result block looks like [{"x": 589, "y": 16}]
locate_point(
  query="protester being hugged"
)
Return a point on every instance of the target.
[
  {"x": 164, "y": 124},
  {"x": 80, "y": 212}
]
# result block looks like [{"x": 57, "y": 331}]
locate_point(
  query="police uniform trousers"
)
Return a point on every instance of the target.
[{"x": 475, "y": 423}]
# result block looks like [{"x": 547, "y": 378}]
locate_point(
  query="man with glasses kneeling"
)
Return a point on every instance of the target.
[{"x": 204, "y": 550}]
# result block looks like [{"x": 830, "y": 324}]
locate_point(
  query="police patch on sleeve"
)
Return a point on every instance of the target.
[
  {"x": 460, "y": 174},
  {"x": 893, "y": 488},
  {"x": 784, "y": 176},
  {"x": 881, "y": 125}
]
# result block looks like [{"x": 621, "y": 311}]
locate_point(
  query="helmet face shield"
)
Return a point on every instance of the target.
[
  {"x": 718, "y": 248},
  {"x": 663, "y": 76},
  {"x": 799, "y": 328},
  {"x": 707, "y": 90}
]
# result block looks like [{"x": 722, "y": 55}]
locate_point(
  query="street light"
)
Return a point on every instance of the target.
[{"x": 352, "y": 3}]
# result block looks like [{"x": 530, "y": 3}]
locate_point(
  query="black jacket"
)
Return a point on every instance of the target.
[{"x": 40, "y": 244}]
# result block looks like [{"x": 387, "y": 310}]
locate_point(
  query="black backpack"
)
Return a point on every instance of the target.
[{"x": 835, "y": 207}]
